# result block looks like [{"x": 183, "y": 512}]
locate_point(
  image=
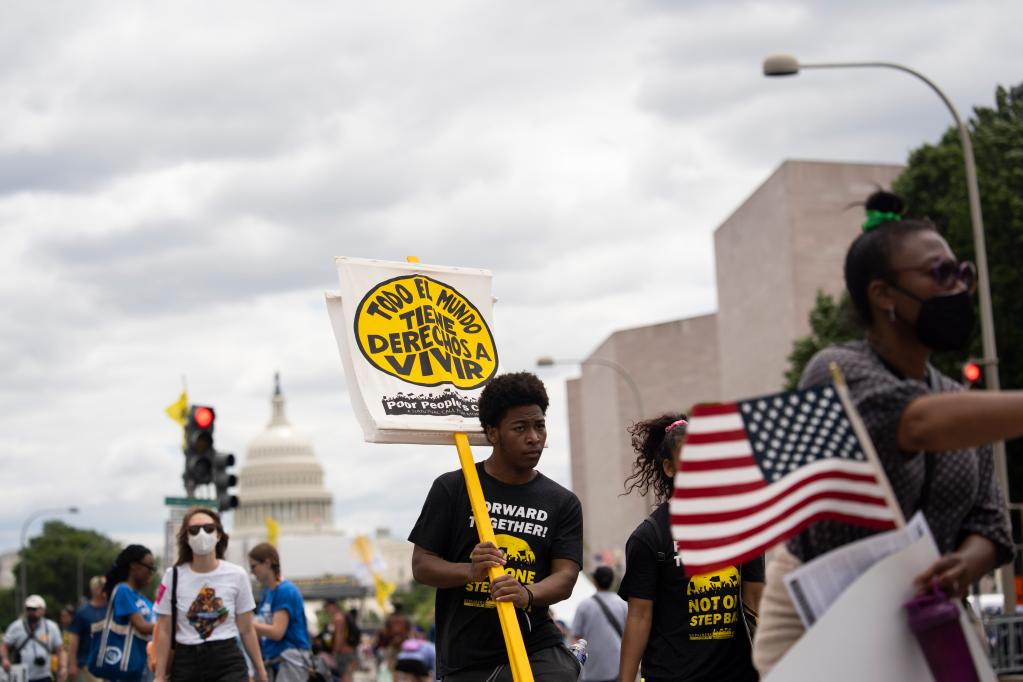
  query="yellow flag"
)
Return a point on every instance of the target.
[
  {"x": 178, "y": 410},
  {"x": 384, "y": 591},
  {"x": 364, "y": 549},
  {"x": 272, "y": 531}
]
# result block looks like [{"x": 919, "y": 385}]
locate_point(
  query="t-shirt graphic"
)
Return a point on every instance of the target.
[
  {"x": 713, "y": 604},
  {"x": 207, "y": 612},
  {"x": 519, "y": 558}
]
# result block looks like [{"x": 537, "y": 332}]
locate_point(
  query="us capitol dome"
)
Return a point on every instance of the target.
[{"x": 281, "y": 479}]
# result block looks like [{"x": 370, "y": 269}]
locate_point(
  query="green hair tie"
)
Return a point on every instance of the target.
[{"x": 875, "y": 218}]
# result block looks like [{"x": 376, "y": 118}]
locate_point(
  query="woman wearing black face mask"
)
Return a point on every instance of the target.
[{"x": 912, "y": 297}]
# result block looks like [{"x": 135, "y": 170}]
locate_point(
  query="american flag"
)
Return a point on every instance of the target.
[{"x": 756, "y": 472}]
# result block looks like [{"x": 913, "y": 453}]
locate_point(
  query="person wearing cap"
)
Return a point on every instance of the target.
[
  {"x": 600, "y": 620},
  {"x": 88, "y": 613},
  {"x": 32, "y": 639}
]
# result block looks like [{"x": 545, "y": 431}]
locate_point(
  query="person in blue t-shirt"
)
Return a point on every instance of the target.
[
  {"x": 280, "y": 618},
  {"x": 91, "y": 612},
  {"x": 132, "y": 572}
]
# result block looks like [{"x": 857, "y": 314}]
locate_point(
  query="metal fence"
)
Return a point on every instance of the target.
[{"x": 1005, "y": 633}]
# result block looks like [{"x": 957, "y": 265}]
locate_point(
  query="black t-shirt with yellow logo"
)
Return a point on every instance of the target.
[
  {"x": 534, "y": 523},
  {"x": 697, "y": 631}
]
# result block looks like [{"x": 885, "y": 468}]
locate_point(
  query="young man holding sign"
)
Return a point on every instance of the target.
[{"x": 538, "y": 527}]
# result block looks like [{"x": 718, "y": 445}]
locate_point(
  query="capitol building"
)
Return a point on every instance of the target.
[{"x": 281, "y": 479}]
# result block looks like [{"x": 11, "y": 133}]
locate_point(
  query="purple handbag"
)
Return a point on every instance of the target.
[{"x": 934, "y": 619}]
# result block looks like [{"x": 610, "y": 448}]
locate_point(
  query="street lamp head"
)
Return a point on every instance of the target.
[
  {"x": 545, "y": 361},
  {"x": 781, "y": 65},
  {"x": 72, "y": 510}
]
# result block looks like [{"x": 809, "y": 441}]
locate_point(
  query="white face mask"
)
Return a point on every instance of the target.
[{"x": 203, "y": 543}]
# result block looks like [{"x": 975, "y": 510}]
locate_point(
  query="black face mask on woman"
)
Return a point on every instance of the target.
[{"x": 945, "y": 322}]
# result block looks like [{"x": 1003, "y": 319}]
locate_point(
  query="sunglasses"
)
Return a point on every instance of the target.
[
  {"x": 210, "y": 528},
  {"x": 150, "y": 567},
  {"x": 947, "y": 272}
]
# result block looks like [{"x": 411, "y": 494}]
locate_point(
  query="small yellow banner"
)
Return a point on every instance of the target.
[
  {"x": 273, "y": 531},
  {"x": 178, "y": 410}
]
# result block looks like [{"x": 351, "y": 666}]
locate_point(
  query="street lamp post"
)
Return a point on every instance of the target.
[
  {"x": 24, "y": 535},
  {"x": 787, "y": 65},
  {"x": 622, "y": 372}
]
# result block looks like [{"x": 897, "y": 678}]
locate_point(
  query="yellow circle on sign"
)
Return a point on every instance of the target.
[{"x": 425, "y": 332}]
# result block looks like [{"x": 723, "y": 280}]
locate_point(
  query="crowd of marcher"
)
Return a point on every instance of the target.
[{"x": 912, "y": 298}]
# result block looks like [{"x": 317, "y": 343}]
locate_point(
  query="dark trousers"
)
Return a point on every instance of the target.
[
  {"x": 219, "y": 661},
  {"x": 553, "y": 664}
]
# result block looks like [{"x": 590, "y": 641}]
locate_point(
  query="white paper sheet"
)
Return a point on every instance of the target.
[{"x": 816, "y": 585}]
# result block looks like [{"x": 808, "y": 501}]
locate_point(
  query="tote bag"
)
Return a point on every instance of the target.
[{"x": 117, "y": 652}]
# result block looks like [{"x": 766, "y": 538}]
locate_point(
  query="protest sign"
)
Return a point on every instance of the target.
[
  {"x": 417, "y": 346},
  {"x": 864, "y": 634}
]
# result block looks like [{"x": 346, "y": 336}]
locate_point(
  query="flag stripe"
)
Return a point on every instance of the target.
[
  {"x": 842, "y": 489},
  {"x": 719, "y": 477},
  {"x": 701, "y": 548},
  {"x": 720, "y": 463},
  {"x": 714, "y": 437},
  {"x": 859, "y": 478},
  {"x": 713, "y": 409},
  {"x": 724, "y": 422},
  {"x": 737, "y": 489},
  {"x": 712, "y": 560},
  {"x": 718, "y": 498},
  {"x": 729, "y": 530},
  {"x": 715, "y": 450}
]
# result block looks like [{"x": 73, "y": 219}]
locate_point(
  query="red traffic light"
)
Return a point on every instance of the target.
[
  {"x": 971, "y": 371},
  {"x": 203, "y": 417}
]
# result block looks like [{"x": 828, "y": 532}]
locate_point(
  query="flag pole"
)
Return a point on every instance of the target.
[
  {"x": 521, "y": 672},
  {"x": 865, "y": 441}
]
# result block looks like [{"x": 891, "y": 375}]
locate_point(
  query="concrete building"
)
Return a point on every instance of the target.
[
  {"x": 602, "y": 405},
  {"x": 782, "y": 245}
]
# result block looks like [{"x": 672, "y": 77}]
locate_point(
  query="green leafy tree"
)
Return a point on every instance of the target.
[
  {"x": 51, "y": 563},
  {"x": 418, "y": 602},
  {"x": 830, "y": 323}
]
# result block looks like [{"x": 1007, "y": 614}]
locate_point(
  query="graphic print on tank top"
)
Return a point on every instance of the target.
[
  {"x": 520, "y": 558},
  {"x": 713, "y": 604},
  {"x": 207, "y": 612}
]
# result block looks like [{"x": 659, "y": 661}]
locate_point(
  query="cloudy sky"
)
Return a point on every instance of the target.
[{"x": 176, "y": 178}]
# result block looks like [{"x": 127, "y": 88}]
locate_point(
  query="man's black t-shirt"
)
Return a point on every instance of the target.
[
  {"x": 534, "y": 523},
  {"x": 697, "y": 631}
]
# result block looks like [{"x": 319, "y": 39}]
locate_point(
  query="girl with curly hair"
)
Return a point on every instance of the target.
[{"x": 679, "y": 627}]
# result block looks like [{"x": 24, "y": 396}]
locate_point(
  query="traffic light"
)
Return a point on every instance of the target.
[
  {"x": 224, "y": 479},
  {"x": 972, "y": 373},
  {"x": 199, "y": 450}
]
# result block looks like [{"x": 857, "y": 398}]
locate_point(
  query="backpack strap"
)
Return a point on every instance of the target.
[
  {"x": 174, "y": 609},
  {"x": 662, "y": 542},
  {"x": 610, "y": 617}
]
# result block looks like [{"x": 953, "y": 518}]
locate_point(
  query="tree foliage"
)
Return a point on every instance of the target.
[
  {"x": 51, "y": 563},
  {"x": 830, "y": 323},
  {"x": 417, "y": 602}
]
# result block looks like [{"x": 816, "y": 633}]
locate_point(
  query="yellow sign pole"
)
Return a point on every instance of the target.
[{"x": 521, "y": 672}]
